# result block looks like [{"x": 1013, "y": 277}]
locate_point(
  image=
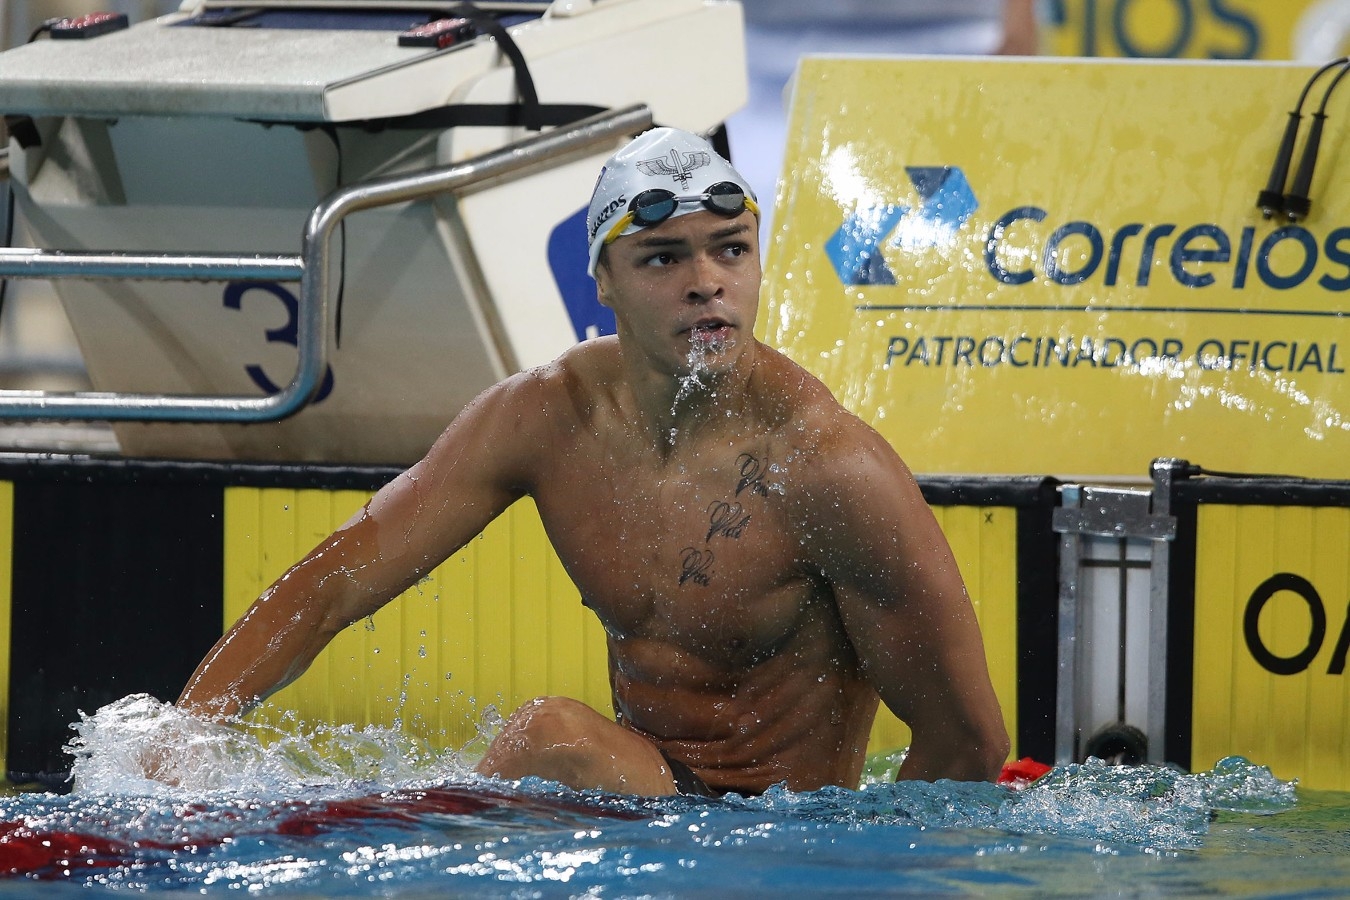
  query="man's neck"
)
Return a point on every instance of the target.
[{"x": 675, "y": 410}]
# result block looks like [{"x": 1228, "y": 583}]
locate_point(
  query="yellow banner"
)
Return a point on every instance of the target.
[
  {"x": 1055, "y": 266},
  {"x": 1312, "y": 30}
]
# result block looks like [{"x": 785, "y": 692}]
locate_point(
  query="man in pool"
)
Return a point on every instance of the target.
[{"x": 763, "y": 563}]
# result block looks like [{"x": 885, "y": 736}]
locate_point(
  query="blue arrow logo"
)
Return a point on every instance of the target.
[{"x": 945, "y": 203}]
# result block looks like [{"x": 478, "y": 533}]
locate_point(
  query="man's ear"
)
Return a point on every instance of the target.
[{"x": 602, "y": 282}]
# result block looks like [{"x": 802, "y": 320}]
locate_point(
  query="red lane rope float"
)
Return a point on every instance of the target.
[
  {"x": 57, "y": 854},
  {"x": 411, "y": 805},
  {"x": 1022, "y": 773}
]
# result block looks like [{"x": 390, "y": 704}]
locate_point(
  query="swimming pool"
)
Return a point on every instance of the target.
[{"x": 368, "y": 813}]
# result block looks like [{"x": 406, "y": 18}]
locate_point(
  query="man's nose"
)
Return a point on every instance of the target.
[{"x": 705, "y": 279}]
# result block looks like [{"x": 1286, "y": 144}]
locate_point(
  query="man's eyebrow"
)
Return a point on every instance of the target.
[
  {"x": 729, "y": 231},
  {"x": 658, "y": 241},
  {"x": 720, "y": 234}
]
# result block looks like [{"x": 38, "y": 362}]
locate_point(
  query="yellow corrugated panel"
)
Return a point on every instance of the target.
[
  {"x": 493, "y": 620},
  {"x": 1296, "y": 722},
  {"x": 496, "y": 624},
  {"x": 453, "y": 584},
  {"x": 531, "y": 640},
  {"x": 1251, "y": 687},
  {"x": 1328, "y": 758},
  {"x": 6, "y": 579},
  {"x": 1218, "y": 629},
  {"x": 984, "y": 541}
]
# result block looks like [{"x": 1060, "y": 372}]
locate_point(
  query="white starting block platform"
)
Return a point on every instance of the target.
[{"x": 218, "y": 130}]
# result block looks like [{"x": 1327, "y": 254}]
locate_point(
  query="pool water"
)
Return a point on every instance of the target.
[{"x": 372, "y": 813}]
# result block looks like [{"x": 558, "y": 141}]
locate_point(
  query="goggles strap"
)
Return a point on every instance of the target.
[{"x": 613, "y": 234}]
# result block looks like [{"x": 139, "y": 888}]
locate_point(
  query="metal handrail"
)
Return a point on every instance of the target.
[{"x": 310, "y": 268}]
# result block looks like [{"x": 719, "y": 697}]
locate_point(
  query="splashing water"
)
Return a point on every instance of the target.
[
  {"x": 693, "y": 380},
  {"x": 348, "y": 812},
  {"x": 117, "y": 748}
]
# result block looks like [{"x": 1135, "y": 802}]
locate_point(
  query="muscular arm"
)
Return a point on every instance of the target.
[
  {"x": 474, "y": 471},
  {"x": 904, "y": 605}
]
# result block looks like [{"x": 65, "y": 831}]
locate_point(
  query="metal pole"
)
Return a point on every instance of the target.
[
  {"x": 1164, "y": 473},
  {"x": 18, "y": 262},
  {"x": 1066, "y": 682}
]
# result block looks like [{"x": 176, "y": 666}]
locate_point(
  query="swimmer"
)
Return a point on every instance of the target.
[{"x": 763, "y": 563}]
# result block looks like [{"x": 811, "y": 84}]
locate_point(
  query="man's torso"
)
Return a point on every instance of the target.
[{"x": 726, "y": 649}]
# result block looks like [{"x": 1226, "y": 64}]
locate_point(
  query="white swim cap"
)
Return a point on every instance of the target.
[{"x": 666, "y": 159}]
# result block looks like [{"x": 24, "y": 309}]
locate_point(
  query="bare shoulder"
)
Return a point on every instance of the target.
[
  {"x": 842, "y": 473},
  {"x": 574, "y": 385},
  {"x": 856, "y": 507},
  {"x": 820, "y": 432},
  {"x": 568, "y": 385},
  {"x": 507, "y": 434}
]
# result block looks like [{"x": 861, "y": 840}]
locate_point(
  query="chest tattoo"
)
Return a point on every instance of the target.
[
  {"x": 752, "y": 471},
  {"x": 727, "y": 519},
  {"x": 695, "y": 566}
]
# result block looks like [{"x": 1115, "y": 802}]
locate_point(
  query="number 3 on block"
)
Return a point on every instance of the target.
[{"x": 286, "y": 334}]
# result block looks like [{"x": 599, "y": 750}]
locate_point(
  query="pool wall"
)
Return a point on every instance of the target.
[
  {"x": 122, "y": 573},
  {"x": 125, "y": 572}
]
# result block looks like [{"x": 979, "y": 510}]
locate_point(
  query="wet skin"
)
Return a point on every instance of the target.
[{"x": 762, "y": 561}]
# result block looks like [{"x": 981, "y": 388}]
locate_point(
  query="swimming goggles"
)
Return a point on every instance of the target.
[{"x": 654, "y": 205}]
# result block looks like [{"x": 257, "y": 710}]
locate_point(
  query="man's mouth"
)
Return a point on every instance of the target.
[{"x": 709, "y": 331}]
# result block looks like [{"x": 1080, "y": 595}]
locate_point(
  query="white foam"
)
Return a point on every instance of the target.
[{"x": 138, "y": 745}]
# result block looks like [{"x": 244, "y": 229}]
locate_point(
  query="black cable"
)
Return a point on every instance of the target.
[
  {"x": 43, "y": 28},
  {"x": 487, "y": 23},
  {"x": 1271, "y": 200},
  {"x": 9, "y": 241},
  {"x": 1215, "y": 473},
  {"x": 1307, "y": 88},
  {"x": 1298, "y": 201},
  {"x": 25, "y": 132}
]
